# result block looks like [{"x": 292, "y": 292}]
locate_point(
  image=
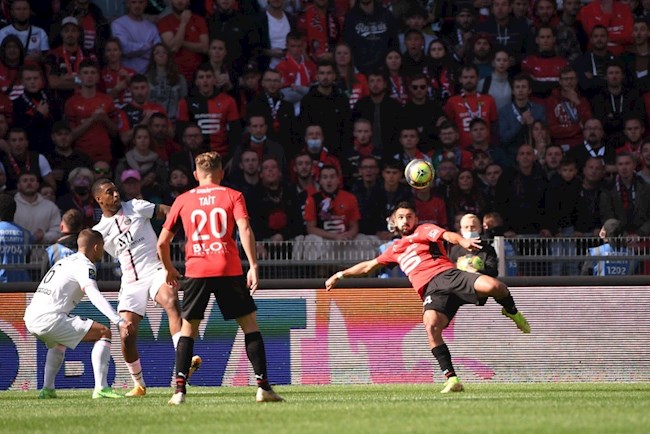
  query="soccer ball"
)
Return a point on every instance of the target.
[
  {"x": 419, "y": 174},
  {"x": 470, "y": 261}
]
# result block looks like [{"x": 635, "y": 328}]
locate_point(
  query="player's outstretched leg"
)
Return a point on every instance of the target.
[
  {"x": 53, "y": 362},
  {"x": 489, "y": 286},
  {"x": 434, "y": 323}
]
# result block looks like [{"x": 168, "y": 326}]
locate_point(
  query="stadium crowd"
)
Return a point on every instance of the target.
[{"x": 533, "y": 113}]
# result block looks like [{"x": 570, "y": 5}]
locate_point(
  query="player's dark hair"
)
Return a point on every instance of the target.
[
  {"x": 405, "y": 204},
  {"x": 7, "y": 207},
  {"x": 328, "y": 167},
  {"x": 88, "y": 63},
  {"x": 139, "y": 78},
  {"x": 97, "y": 185}
]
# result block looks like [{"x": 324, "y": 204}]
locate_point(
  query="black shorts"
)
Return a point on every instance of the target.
[
  {"x": 233, "y": 298},
  {"x": 449, "y": 290}
]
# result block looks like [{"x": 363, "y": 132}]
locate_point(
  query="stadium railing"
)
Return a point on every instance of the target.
[{"x": 304, "y": 259}]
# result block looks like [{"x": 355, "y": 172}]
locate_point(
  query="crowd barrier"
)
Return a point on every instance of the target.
[
  {"x": 369, "y": 331},
  {"x": 303, "y": 258}
]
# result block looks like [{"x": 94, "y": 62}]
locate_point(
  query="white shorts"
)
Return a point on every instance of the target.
[
  {"x": 63, "y": 330},
  {"x": 133, "y": 296}
]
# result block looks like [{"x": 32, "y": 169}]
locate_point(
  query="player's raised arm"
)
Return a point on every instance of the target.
[
  {"x": 467, "y": 243},
  {"x": 247, "y": 238},
  {"x": 359, "y": 269}
]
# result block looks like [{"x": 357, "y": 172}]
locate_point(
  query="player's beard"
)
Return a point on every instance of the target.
[{"x": 405, "y": 232}]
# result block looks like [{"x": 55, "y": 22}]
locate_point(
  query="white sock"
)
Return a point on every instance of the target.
[
  {"x": 53, "y": 362},
  {"x": 175, "y": 339},
  {"x": 100, "y": 357},
  {"x": 135, "y": 369}
]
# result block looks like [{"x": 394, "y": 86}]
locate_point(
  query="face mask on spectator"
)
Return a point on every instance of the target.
[
  {"x": 258, "y": 140},
  {"x": 314, "y": 145},
  {"x": 469, "y": 235}
]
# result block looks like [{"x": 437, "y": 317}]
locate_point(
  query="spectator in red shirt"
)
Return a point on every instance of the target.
[
  {"x": 461, "y": 109},
  {"x": 615, "y": 16},
  {"x": 297, "y": 70},
  {"x": 544, "y": 67},
  {"x": 430, "y": 207},
  {"x": 567, "y": 110},
  {"x": 315, "y": 146},
  {"x": 115, "y": 77},
  {"x": 92, "y": 116},
  {"x": 322, "y": 30},
  {"x": 140, "y": 109},
  {"x": 215, "y": 112},
  {"x": 186, "y": 34},
  {"x": 63, "y": 63}
]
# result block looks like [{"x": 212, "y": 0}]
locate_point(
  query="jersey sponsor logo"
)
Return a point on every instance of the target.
[
  {"x": 209, "y": 248},
  {"x": 409, "y": 259}
]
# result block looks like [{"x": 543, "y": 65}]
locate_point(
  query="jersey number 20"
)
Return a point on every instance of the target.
[{"x": 217, "y": 220}]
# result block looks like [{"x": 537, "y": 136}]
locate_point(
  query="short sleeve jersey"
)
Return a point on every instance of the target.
[
  {"x": 463, "y": 108},
  {"x": 421, "y": 255},
  {"x": 129, "y": 237},
  {"x": 186, "y": 59},
  {"x": 332, "y": 214},
  {"x": 208, "y": 215},
  {"x": 61, "y": 288},
  {"x": 212, "y": 115}
]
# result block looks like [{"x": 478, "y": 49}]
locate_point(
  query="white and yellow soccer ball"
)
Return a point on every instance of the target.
[
  {"x": 470, "y": 263},
  {"x": 419, "y": 174}
]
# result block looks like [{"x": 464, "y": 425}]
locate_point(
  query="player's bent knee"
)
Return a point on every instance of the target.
[{"x": 105, "y": 332}]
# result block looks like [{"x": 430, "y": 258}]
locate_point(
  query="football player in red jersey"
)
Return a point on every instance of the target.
[
  {"x": 420, "y": 253},
  {"x": 208, "y": 215}
]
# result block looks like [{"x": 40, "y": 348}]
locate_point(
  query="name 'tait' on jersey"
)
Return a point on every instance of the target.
[
  {"x": 129, "y": 237},
  {"x": 208, "y": 214},
  {"x": 421, "y": 255}
]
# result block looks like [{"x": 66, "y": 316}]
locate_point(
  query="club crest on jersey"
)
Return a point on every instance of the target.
[
  {"x": 127, "y": 221},
  {"x": 92, "y": 274}
]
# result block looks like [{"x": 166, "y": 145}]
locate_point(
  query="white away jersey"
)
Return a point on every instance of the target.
[
  {"x": 61, "y": 288},
  {"x": 129, "y": 237}
]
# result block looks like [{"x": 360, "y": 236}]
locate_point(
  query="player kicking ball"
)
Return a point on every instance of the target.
[
  {"x": 420, "y": 253},
  {"x": 48, "y": 315},
  {"x": 130, "y": 238}
]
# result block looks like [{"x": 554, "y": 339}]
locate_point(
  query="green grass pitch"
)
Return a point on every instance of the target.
[{"x": 482, "y": 408}]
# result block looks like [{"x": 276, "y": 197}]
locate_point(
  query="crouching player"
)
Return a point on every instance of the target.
[
  {"x": 421, "y": 255},
  {"x": 48, "y": 315}
]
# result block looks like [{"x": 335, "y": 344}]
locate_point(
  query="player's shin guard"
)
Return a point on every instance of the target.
[
  {"x": 257, "y": 356},
  {"x": 53, "y": 362},
  {"x": 100, "y": 357},
  {"x": 184, "y": 352},
  {"x": 508, "y": 304},
  {"x": 443, "y": 356}
]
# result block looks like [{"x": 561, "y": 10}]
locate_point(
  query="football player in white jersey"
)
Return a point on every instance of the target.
[
  {"x": 129, "y": 237},
  {"x": 47, "y": 316}
]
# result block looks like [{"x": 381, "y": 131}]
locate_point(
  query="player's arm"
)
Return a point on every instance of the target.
[
  {"x": 164, "y": 253},
  {"x": 467, "y": 243},
  {"x": 162, "y": 211},
  {"x": 98, "y": 300},
  {"x": 359, "y": 269},
  {"x": 247, "y": 238}
]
